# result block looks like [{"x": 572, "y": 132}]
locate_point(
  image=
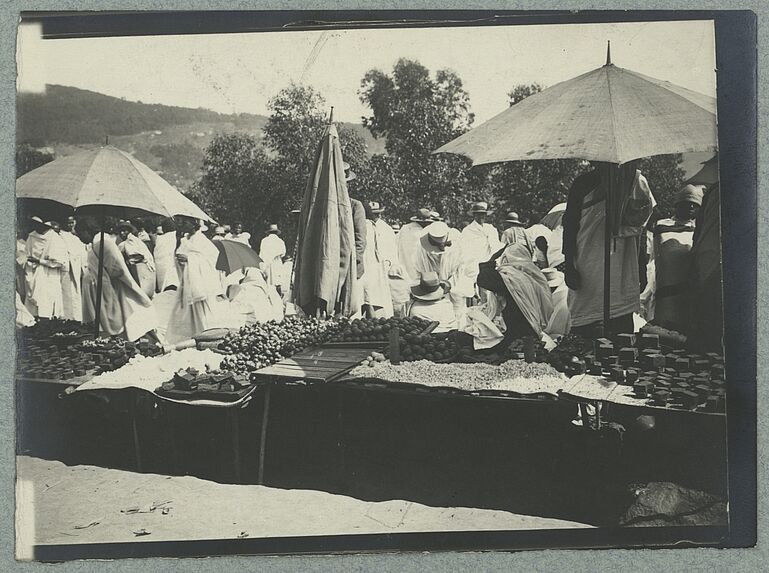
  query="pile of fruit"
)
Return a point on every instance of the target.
[
  {"x": 568, "y": 356},
  {"x": 437, "y": 347},
  {"x": 256, "y": 346},
  {"x": 195, "y": 384},
  {"x": 378, "y": 329}
]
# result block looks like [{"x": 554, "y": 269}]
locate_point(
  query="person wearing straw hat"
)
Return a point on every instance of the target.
[
  {"x": 408, "y": 241},
  {"x": 272, "y": 250},
  {"x": 439, "y": 254},
  {"x": 515, "y": 232},
  {"x": 430, "y": 301},
  {"x": 72, "y": 275},
  {"x": 219, "y": 233},
  {"x": 46, "y": 261},
  {"x": 479, "y": 239},
  {"x": 673, "y": 240},
  {"x": 378, "y": 260}
]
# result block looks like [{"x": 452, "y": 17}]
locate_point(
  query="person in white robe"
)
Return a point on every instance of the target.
[
  {"x": 253, "y": 299},
  {"x": 430, "y": 301},
  {"x": 72, "y": 275},
  {"x": 46, "y": 261},
  {"x": 138, "y": 257},
  {"x": 125, "y": 308},
  {"x": 200, "y": 304},
  {"x": 479, "y": 239},
  {"x": 166, "y": 269},
  {"x": 378, "y": 259},
  {"x": 408, "y": 242},
  {"x": 272, "y": 251},
  {"x": 21, "y": 263},
  {"x": 438, "y": 254},
  {"x": 239, "y": 235},
  {"x": 560, "y": 321}
]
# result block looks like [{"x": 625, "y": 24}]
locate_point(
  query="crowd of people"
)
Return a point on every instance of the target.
[{"x": 544, "y": 279}]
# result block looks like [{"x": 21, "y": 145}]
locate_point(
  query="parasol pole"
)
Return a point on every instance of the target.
[
  {"x": 100, "y": 275},
  {"x": 607, "y": 250}
]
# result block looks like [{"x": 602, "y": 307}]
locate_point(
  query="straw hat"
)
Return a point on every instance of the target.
[
  {"x": 512, "y": 218},
  {"x": 430, "y": 288},
  {"x": 435, "y": 216},
  {"x": 423, "y": 216},
  {"x": 480, "y": 207},
  {"x": 374, "y": 207},
  {"x": 219, "y": 231},
  {"x": 436, "y": 238},
  {"x": 38, "y": 220},
  {"x": 272, "y": 228},
  {"x": 349, "y": 174}
]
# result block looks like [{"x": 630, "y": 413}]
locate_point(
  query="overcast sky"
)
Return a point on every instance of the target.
[{"x": 240, "y": 72}]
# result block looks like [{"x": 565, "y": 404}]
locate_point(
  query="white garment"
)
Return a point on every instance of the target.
[
  {"x": 72, "y": 276},
  {"x": 23, "y": 316},
  {"x": 243, "y": 237},
  {"x": 560, "y": 321},
  {"x": 408, "y": 246},
  {"x": 450, "y": 266},
  {"x": 479, "y": 242},
  {"x": 272, "y": 249},
  {"x": 166, "y": 270},
  {"x": 43, "y": 279},
  {"x": 441, "y": 311},
  {"x": 376, "y": 287},
  {"x": 255, "y": 300},
  {"x": 142, "y": 269}
]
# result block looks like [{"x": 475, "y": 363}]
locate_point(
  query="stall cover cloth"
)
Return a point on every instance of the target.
[{"x": 326, "y": 271}]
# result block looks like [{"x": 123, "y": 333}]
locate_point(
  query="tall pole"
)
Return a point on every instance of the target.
[
  {"x": 100, "y": 275},
  {"x": 607, "y": 248}
]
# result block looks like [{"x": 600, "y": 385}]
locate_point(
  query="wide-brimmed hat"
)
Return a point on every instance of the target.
[
  {"x": 554, "y": 277},
  {"x": 126, "y": 225},
  {"x": 480, "y": 207},
  {"x": 512, "y": 217},
  {"x": 423, "y": 216},
  {"x": 374, "y": 207},
  {"x": 437, "y": 236},
  {"x": 690, "y": 193},
  {"x": 349, "y": 174},
  {"x": 435, "y": 216},
  {"x": 272, "y": 228},
  {"x": 219, "y": 231},
  {"x": 430, "y": 288},
  {"x": 37, "y": 219}
]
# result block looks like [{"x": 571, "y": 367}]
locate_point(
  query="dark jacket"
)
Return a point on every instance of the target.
[{"x": 359, "y": 226}]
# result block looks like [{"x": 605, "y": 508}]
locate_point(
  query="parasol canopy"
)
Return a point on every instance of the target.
[
  {"x": 708, "y": 175},
  {"x": 234, "y": 256},
  {"x": 105, "y": 176},
  {"x": 610, "y": 114},
  {"x": 554, "y": 217},
  {"x": 325, "y": 273}
]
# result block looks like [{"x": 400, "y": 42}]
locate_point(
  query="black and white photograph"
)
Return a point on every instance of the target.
[{"x": 357, "y": 282}]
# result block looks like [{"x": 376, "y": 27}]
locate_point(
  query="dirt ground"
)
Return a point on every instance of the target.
[{"x": 60, "y": 504}]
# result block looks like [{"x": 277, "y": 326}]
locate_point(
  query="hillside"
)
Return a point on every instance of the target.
[{"x": 169, "y": 139}]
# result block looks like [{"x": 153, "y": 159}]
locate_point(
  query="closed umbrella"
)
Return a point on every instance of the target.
[
  {"x": 325, "y": 273},
  {"x": 610, "y": 115},
  {"x": 234, "y": 256},
  {"x": 105, "y": 177}
]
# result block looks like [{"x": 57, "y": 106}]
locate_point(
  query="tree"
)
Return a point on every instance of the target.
[
  {"x": 29, "y": 158},
  {"x": 522, "y": 91},
  {"x": 417, "y": 114},
  {"x": 665, "y": 177}
]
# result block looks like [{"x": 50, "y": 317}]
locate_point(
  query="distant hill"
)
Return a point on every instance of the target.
[{"x": 169, "y": 139}]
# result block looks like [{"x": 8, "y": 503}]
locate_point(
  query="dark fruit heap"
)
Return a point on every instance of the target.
[
  {"x": 568, "y": 356},
  {"x": 256, "y": 346},
  {"x": 56, "y": 328},
  {"x": 201, "y": 384},
  {"x": 433, "y": 347},
  {"x": 378, "y": 329}
]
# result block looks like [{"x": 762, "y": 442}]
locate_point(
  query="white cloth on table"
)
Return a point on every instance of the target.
[
  {"x": 43, "y": 279},
  {"x": 166, "y": 270},
  {"x": 272, "y": 249},
  {"x": 125, "y": 308}
]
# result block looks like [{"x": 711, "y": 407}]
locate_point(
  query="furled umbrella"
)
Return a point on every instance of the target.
[
  {"x": 105, "y": 177},
  {"x": 234, "y": 256},
  {"x": 325, "y": 273},
  {"x": 610, "y": 115}
]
